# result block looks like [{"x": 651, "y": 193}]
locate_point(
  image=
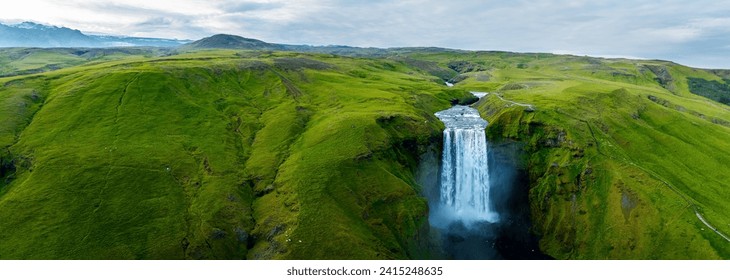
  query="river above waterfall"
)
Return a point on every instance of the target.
[{"x": 461, "y": 117}]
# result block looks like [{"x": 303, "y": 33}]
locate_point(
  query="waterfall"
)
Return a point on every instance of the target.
[
  {"x": 464, "y": 185},
  {"x": 464, "y": 199}
]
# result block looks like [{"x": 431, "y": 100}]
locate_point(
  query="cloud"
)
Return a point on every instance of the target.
[
  {"x": 712, "y": 23},
  {"x": 665, "y": 29},
  {"x": 248, "y": 6},
  {"x": 677, "y": 34},
  {"x": 158, "y": 22}
]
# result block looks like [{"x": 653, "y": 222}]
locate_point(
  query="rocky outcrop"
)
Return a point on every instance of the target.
[
  {"x": 663, "y": 76},
  {"x": 466, "y": 66}
]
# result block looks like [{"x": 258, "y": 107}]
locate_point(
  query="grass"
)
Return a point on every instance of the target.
[
  {"x": 24, "y": 61},
  {"x": 225, "y": 154}
]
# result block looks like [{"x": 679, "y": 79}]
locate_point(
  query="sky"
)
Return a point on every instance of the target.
[{"x": 694, "y": 33}]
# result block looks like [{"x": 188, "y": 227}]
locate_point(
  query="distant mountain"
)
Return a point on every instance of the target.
[
  {"x": 122, "y": 41},
  {"x": 30, "y": 34},
  {"x": 225, "y": 41}
]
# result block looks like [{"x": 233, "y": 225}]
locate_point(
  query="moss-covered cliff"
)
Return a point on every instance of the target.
[{"x": 269, "y": 155}]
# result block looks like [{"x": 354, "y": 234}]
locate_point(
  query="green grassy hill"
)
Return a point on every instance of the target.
[
  {"x": 216, "y": 155},
  {"x": 24, "y": 61},
  {"x": 620, "y": 158},
  {"x": 277, "y": 155}
]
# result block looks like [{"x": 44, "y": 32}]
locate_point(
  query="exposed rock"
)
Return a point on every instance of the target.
[
  {"x": 721, "y": 122},
  {"x": 217, "y": 233},
  {"x": 268, "y": 189},
  {"x": 275, "y": 231},
  {"x": 458, "y": 78},
  {"x": 241, "y": 235},
  {"x": 465, "y": 66},
  {"x": 659, "y": 101},
  {"x": 555, "y": 141},
  {"x": 35, "y": 95},
  {"x": 663, "y": 77}
]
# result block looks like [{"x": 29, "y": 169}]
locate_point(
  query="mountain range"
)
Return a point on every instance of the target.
[
  {"x": 30, "y": 34},
  {"x": 34, "y": 35}
]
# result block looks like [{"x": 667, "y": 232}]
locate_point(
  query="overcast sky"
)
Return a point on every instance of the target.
[{"x": 695, "y": 33}]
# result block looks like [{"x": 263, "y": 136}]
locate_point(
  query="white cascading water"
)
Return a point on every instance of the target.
[{"x": 464, "y": 188}]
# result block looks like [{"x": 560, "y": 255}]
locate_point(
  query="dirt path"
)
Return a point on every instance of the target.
[
  {"x": 651, "y": 173},
  {"x": 699, "y": 216},
  {"x": 665, "y": 182},
  {"x": 690, "y": 202}
]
